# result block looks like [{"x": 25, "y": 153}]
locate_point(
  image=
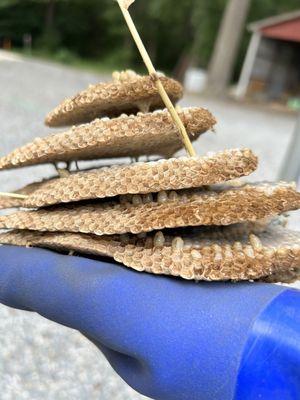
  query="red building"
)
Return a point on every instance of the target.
[{"x": 271, "y": 69}]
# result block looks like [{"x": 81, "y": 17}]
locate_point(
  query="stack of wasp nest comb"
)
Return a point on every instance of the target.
[{"x": 184, "y": 216}]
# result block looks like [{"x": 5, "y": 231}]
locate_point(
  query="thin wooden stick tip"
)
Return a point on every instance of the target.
[
  {"x": 14, "y": 195},
  {"x": 125, "y": 3}
]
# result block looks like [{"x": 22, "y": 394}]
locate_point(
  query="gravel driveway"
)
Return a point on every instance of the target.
[{"x": 32, "y": 365}]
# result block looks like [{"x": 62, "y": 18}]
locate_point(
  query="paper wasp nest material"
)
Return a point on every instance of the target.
[
  {"x": 244, "y": 158},
  {"x": 112, "y": 211},
  {"x": 145, "y": 213},
  {"x": 134, "y": 135},
  {"x": 227, "y": 253},
  {"x": 144, "y": 177},
  {"x": 128, "y": 93}
]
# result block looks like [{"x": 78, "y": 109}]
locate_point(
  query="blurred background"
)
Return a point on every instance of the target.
[
  {"x": 238, "y": 58},
  {"x": 181, "y": 38}
]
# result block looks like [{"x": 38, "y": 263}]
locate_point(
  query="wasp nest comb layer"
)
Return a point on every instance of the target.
[
  {"x": 141, "y": 178},
  {"x": 244, "y": 159},
  {"x": 145, "y": 213},
  {"x": 150, "y": 133},
  {"x": 207, "y": 254},
  {"x": 129, "y": 93}
]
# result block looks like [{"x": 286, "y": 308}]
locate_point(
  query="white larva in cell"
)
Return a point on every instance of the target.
[
  {"x": 177, "y": 243},
  {"x": 162, "y": 197},
  {"x": 173, "y": 195},
  {"x": 159, "y": 239},
  {"x": 255, "y": 242}
]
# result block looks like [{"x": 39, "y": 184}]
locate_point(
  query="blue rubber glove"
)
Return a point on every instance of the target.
[{"x": 168, "y": 338}]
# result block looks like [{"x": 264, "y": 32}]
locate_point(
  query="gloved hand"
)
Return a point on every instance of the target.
[{"x": 168, "y": 338}]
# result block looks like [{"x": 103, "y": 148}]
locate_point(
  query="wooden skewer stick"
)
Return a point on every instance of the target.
[
  {"x": 14, "y": 195},
  {"x": 124, "y": 5}
]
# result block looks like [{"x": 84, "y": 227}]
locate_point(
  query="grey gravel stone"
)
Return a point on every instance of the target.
[{"x": 32, "y": 365}]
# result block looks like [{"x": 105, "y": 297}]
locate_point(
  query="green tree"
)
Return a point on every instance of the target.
[{"x": 176, "y": 33}]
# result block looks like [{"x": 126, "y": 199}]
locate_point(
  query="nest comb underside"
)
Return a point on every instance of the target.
[
  {"x": 134, "y": 135},
  {"x": 130, "y": 94},
  {"x": 143, "y": 177},
  {"x": 135, "y": 214},
  {"x": 227, "y": 253}
]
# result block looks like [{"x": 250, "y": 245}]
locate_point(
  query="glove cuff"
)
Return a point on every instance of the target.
[{"x": 269, "y": 367}]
